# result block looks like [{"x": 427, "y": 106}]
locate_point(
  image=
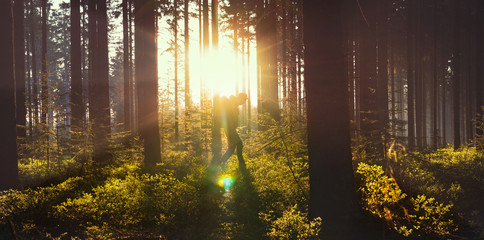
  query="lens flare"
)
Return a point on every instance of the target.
[{"x": 225, "y": 181}]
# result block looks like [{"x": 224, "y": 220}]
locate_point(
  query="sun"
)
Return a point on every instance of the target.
[
  {"x": 225, "y": 71},
  {"x": 220, "y": 73}
]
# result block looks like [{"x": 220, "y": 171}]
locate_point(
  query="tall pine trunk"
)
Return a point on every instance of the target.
[
  {"x": 332, "y": 195},
  {"x": 456, "y": 76},
  {"x": 268, "y": 58},
  {"x": 186, "y": 16},
  {"x": 146, "y": 80},
  {"x": 35, "y": 84},
  {"x": 479, "y": 79},
  {"x": 410, "y": 74},
  {"x": 44, "y": 75},
  {"x": 19, "y": 38},
  {"x": 177, "y": 105},
  {"x": 127, "y": 86},
  {"x": 8, "y": 144},
  {"x": 99, "y": 112},
  {"x": 77, "y": 105}
]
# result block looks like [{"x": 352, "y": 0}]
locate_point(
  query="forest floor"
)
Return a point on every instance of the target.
[{"x": 409, "y": 195}]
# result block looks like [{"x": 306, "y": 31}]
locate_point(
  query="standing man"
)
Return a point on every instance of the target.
[{"x": 230, "y": 122}]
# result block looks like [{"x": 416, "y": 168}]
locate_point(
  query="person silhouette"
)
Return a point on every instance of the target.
[{"x": 230, "y": 122}]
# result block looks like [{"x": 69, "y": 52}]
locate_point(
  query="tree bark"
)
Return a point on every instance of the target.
[
  {"x": 332, "y": 193},
  {"x": 99, "y": 109},
  {"x": 77, "y": 105},
  {"x": 369, "y": 88},
  {"x": 206, "y": 36},
  {"x": 479, "y": 64},
  {"x": 456, "y": 76},
  {"x": 410, "y": 75},
  {"x": 268, "y": 57},
  {"x": 44, "y": 75},
  {"x": 175, "y": 29},
  {"x": 186, "y": 16},
  {"x": 126, "y": 71},
  {"x": 19, "y": 45},
  {"x": 146, "y": 80},
  {"x": 8, "y": 144},
  {"x": 215, "y": 23},
  {"x": 35, "y": 84}
]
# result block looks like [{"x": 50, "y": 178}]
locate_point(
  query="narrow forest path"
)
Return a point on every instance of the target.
[{"x": 231, "y": 206}]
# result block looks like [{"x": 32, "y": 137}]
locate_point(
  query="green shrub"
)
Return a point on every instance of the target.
[
  {"x": 293, "y": 224},
  {"x": 418, "y": 216},
  {"x": 159, "y": 201}
]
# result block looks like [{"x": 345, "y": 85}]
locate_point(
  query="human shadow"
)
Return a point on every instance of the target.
[{"x": 246, "y": 207}]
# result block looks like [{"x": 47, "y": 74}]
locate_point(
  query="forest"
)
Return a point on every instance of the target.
[{"x": 231, "y": 119}]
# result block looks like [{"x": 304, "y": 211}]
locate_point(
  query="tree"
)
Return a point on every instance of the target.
[
  {"x": 217, "y": 110},
  {"x": 215, "y": 23},
  {"x": 77, "y": 105},
  {"x": 456, "y": 74},
  {"x": 146, "y": 79},
  {"x": 126, "y": 70},
  {"x": 34, "y": 96},
  {"x": 20, "y": 66},
  {"x": 175, "y": 43},
  {"x": 99, "y": 112},
  {"x": 332, "y": 195},
  {"x": 266, "y": 37},
  {"x": 8, "y": 145},
  {"x": 44, "y": 75},
  {"x": 368, "y": 75},
  {"x": 410, "y": 74},
  {"x": 186, "y": 16},
  {"x": 479, "y": 64}
]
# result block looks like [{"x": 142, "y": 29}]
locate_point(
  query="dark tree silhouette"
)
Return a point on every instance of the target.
[
  {"x": 77, "y": 105},
  {"x": 8, "y": 145},
  {"x": 456, "y": 81},
  {"x": 479, "y": 63},
  {"x": 128, "y": 96},
  {"x": 34, "y": 96},
  {"x": 186, "y": 17},
  {"x": 99, "y": 113},
  {"x": 44, "y": 75},
  {"x": 146, "y": 79},
  {"x": 20, "y": 66},
  {"x": 410, "y": 74},
  {"x": 332, "y": 195},
  {"x": 266, "y": 37}
]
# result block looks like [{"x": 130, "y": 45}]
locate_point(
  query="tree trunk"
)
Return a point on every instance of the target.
[
  {"x": 382, "y": 89},
  {"x": 268, "y": 56},
  {"x": 35, "y": 84},
  {"x": 146, "y": 80},
  {"x": 29, "y": 84},
  {"x": 206, "y": 36},
  {"x": 215, "y": 23},
  {"x": 126, "y": 71},
  {"x": 77, "y": 105},
  {"x": 330, "y": 168},
  {"x": 99, "y": 112},
  {"x": 188, "y": 100},
  {"x": 369, "y": 88},
  {"x": 435, "y": 84},
  {"x": 175, "y": 28},
  {"x": 479, "y": 79},
  {"x": 44, "y": 75},
  {"x": 410, "y": 75},
  {"x": 20, "y": 67},
  {"x": 456, "y": 76},
  {"x": 8, "y": 144}
]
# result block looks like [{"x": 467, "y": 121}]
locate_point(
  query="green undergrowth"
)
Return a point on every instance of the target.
[
  {"x": 177, "y": 199},
  {"x": 434, "y": 195}
]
